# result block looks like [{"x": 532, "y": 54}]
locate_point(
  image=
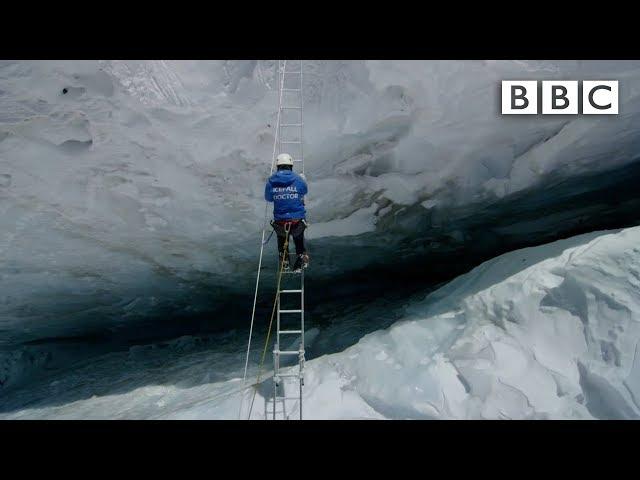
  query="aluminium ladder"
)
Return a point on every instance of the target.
[
  {"x": 289, "y": 134},
  {"x": 288, "y": 381},
  {"x": 289, "y": 139}
]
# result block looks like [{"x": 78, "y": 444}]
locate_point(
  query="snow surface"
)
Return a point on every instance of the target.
[
  {"x": 545, "y": 332},
  {"x": 139, "y": 191}
]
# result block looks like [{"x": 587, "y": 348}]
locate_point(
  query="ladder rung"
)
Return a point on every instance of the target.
[
  {"x": 291, "y": 89},
  {"x": 287, "y": 398},
  {"x": 291, "y": 291},
  {"x": 288, "y": 375},
  {"x": 291, "y": 125},
  {"x": 297, "y": 310},
  {"x": 284, "y": 107},
  {"x": 298, "y": 160},
  {"x": 291, "y": 142},
  {"x": 289, "y": 332},
  {"x": 288, "y": 352},
  {"x": 293, "y": 72}
]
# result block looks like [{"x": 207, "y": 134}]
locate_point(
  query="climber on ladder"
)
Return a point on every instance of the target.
[{"x": 286, "y": 189}]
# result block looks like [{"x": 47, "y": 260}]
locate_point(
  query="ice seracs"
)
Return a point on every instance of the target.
[{"x": 544, "y": 332}]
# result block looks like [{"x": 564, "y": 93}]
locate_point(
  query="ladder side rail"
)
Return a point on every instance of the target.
[
  {"x": 301, "y": 119},
  {"x": 276, "y": 358},
  {"x": 302, "y": 344}
]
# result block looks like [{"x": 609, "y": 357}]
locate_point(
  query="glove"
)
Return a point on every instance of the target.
[{"x": 303, "y": 177}]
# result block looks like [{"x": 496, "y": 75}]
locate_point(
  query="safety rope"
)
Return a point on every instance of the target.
[{"x": 264, "y": 228}]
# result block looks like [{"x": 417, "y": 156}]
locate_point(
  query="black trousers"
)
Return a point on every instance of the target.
[{"x": 296, "y": 231}]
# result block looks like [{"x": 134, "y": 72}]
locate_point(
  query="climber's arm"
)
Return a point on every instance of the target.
[{"x": 268, "y": 194}]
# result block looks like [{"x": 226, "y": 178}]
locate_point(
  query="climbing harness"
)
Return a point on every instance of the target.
[{"x": 290, "y": 120}]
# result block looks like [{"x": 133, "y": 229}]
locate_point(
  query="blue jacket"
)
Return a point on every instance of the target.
[{"x": 286, "y": 190}]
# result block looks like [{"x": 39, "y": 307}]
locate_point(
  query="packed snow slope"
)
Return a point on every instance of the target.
[
  {"x": 131, "y": 192},
  {"x": 544, "y": 332}
]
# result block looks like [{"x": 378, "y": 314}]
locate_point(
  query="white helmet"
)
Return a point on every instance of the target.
[{"x": 284, "y": 159}]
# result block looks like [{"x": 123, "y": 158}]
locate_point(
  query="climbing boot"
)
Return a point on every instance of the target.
[{"x": 302, "y": 262}]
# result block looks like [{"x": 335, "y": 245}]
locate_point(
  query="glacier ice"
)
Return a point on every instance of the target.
[
  {"x": 543, "y": 332},
  {"x": 546, "y": 332},
  {"x": 131, "y": 191},
  {"x": 138, "y": 190}
]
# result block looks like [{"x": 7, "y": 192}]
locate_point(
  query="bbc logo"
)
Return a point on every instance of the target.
[{"x": 559, "y": 97}]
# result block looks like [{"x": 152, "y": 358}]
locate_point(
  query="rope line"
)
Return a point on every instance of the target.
[
  {"x": 266, "y": 211},
  {"x": 237, "y": 390},
  {"x": 273, "y": 311},
  {"x": 264, "y": 225}
]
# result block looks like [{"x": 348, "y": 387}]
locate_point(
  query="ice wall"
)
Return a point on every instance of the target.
[{"x": 132, "y": 191}]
